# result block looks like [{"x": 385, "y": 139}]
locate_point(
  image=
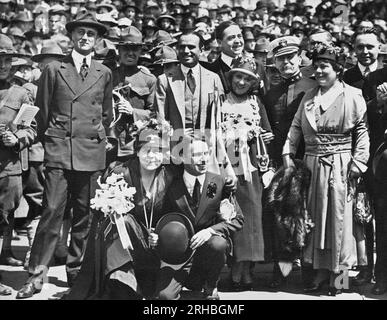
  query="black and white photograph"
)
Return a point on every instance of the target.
[{"x": 200, "y": 151}]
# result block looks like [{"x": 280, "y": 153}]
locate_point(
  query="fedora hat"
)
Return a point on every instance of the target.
[
  {"x": 85, "y": 18},
  {"x": 106, "y": 19},
  {"x": 175, "y": 231},
  {"x": 6, "y": 47},
  {"x": 165, "y": 55},
  {"x": 50, "y": 49},
  {"x": 4, "y": 20},
  {"x": 132, "y": 37}
]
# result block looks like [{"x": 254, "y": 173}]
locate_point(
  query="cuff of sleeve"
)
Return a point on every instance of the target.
[
  {"x": 362, "y": 167},
  {"x": 213, "y": 232}
]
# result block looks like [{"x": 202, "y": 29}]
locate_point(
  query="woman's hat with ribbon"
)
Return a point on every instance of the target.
[
  {"x": 175, "y": 231},
  {"x": 324, "y": 52},
  {"x": 247, "y": 66},
  {"x": 156, "y": 132}
]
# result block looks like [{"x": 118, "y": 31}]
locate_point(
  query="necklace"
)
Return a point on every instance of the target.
[{"x": 148, "y": 224}]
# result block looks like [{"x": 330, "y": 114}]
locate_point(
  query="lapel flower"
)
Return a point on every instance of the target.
[{"x": 211, "y": 190}]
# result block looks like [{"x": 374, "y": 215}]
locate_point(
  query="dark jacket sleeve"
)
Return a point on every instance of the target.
[{"x": 43, "y": 99}]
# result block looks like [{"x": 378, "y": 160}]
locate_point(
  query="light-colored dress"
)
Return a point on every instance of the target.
[
  {"x": 248, "y": 242},
  {"x": 335, "y": 135}
]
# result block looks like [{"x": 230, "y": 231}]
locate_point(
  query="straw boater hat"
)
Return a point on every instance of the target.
[
  {"x": 50, "y": 49},
  {"x": 86, "y": 18}
]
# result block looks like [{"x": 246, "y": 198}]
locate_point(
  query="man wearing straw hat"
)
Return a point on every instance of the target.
[
  {"x": 75, "y": 101},
  {"x": 13, "y": 139}
]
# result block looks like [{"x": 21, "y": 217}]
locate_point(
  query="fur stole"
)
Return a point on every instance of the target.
[{"x": 286, "y": 201}]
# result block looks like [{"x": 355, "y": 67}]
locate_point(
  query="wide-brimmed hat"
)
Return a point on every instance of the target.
[
  {"x": 247, "y": 66},
  {"x": 165, "y": 55},
  {"x": 162, "y": 38},
  {"x": 6, "y": 47},
  {"x": 86, "y": 18},
  {"x": 131, "y": 4},
  {"x": 175, "y": 231},
  {"x": 16, "y": 32},
  {"x": 131, "y": 37},
  {"x": 49, "y": 49},
  {"x": 108, "y": 6},
  {"x": 124, "y": 22},
  {"x": 24, "y": 16},
  {"x": 262, "y": 45},
  {"x": 107, "y": 19},
  {"x": 165, "y": 16}
]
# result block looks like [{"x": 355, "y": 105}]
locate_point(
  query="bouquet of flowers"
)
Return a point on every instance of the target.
[
  {"x": 234, "y": 126},
  {"x": 115, "y": 199}
]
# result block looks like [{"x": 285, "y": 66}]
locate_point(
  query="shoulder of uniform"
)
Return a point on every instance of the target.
[{"x": 146, "y": 71}]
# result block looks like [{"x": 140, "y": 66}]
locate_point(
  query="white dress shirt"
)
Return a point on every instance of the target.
[
  {"x": 195, "y": 73},
  {"x": 226, "y": 59},
  {"x": 78, "y": 59},
  {"x": 190, "y": 180},
  {"x": 373, "y": 67}
]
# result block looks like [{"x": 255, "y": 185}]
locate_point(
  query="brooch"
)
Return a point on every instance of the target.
[{"x": 211, "y": 190}]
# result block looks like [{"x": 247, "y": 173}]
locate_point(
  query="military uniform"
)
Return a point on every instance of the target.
[
  {"x": 11, "y": 99},
  {"x": 140, "y": 94},
  {"x": 281, "y": 104}
]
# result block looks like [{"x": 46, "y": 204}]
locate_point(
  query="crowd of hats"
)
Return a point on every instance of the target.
[{"x": 157, "y": 23}]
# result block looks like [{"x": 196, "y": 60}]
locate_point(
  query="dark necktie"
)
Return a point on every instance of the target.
[
  {"x": 366, "y": 72},
  {"x": 84, "y": 69},
  {"x": 196, "y": 194},
  {"x": 191, "y": 81}
]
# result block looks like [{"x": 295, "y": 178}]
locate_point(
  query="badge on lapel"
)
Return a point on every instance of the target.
[{"x": 211, "y": 190}]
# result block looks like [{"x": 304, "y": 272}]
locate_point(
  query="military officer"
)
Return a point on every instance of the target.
[{"x": 281, "y": 102}]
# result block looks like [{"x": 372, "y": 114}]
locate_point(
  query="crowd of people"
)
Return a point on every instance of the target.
[{"x": 248, "y": 135}]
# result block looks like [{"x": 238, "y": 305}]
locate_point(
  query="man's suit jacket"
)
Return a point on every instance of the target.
[
  {"x": 208, "y": 208},
  {"x": 74, "y": 115},
  {"x": 376, "y": 112},
  {"x": 220, "y": 68},
  {"x": 354, "y": 77},
  {"x": 170, "y": 97}
]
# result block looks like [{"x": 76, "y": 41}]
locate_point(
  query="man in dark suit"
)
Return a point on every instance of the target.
[
  {"x": 198, "y": 194},
  {"x": 230, "y": 37},
  {"x": 75, "y": 101},
  {"x": 367, "y": 47},
  {"x": 375, "y": 91}
]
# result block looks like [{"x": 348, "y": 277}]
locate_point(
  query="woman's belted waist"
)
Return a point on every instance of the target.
[{"x": 324, "y": 144}]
